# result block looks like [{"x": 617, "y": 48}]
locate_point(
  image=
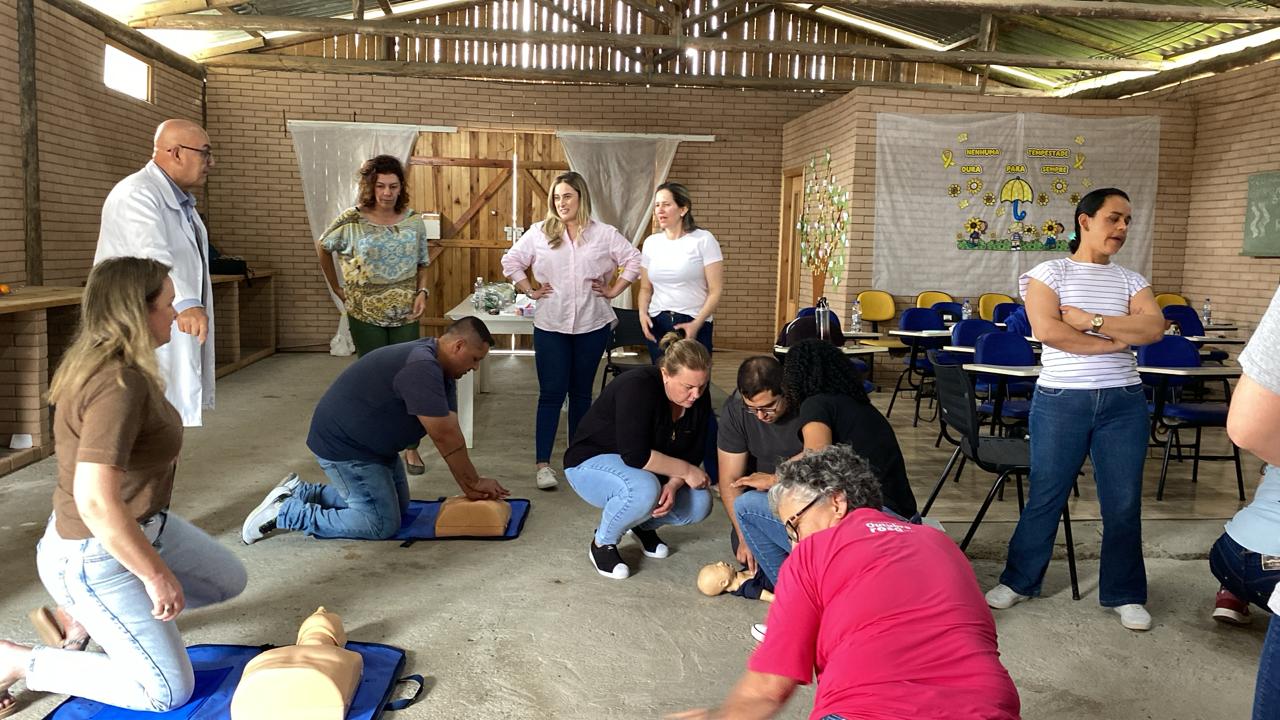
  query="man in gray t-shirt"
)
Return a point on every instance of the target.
[{"x": 757, "y": 432}]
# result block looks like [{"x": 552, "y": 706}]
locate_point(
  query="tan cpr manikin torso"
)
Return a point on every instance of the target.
[{"x": 313, "y": 680}]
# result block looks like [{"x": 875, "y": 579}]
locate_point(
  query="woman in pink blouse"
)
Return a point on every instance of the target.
[{"x": 576, "y": 262}]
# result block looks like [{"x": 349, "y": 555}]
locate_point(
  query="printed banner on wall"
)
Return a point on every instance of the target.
[{"x": 967, "y": 203}]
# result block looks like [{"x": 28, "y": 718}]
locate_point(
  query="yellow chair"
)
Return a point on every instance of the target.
[
  {"x": 987, "y": 303},
  {"x": 1166, "y": 299},
  {"x": 878, "y": 307},
  {"x": 927, "y": 298}
]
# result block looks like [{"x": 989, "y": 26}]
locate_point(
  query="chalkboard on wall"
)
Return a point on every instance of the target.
[{"x": 1262, "y": 216}]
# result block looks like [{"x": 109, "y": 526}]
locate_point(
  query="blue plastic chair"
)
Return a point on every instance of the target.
[
  {"x": 1169, "y": 414},
  {"x": 1003, "y": 311},
  {"x": 967, "y": 332},
  {"x": 950, "y": 311},
  {"x": 1188, "y": 322},
  {"x": 919, "y": 370},
  {"x": 1004, "y": 349}
]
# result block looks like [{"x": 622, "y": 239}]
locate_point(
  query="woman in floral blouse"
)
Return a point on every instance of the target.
[{"x": 382, "y": 250}]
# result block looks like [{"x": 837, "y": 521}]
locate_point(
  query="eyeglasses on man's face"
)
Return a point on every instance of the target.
[
  {"x": 764, "y": 411},
  {"x": 793, "y": 523},
  {"x": 205, "y": 152}
]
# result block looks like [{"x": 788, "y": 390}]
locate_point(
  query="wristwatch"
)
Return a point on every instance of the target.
[
  {"x": 1096, "y": 322},
  {"x": 424, "y": 291}
]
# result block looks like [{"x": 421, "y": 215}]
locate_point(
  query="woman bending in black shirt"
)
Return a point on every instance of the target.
[
  {"x": 834, "y": 410},
  {"x": 635, "y": 454}
]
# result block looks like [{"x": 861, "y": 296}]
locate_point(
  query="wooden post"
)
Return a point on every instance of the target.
[{"x": 28, "y": 131}]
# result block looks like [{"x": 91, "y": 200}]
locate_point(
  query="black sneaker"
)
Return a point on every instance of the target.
[
  {"x": 652, "y": 544},
  {"x": 608, "y": 562}
]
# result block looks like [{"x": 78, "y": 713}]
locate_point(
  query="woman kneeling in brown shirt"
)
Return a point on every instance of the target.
[{"x": 119, "y": 564}]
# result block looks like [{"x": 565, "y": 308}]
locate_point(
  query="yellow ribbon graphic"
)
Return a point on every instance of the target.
[
  {"x": 948, "y": 159},
  {"x": 1079, "y": 163}
]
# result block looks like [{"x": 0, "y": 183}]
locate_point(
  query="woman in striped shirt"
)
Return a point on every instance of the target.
[{"x": 1089, "y": 401}]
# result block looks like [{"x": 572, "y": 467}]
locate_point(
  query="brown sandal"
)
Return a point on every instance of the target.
[{"x": 51, "y": 634}]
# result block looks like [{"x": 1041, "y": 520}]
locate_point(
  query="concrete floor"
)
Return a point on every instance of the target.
[{"x": 526, "y": 629}]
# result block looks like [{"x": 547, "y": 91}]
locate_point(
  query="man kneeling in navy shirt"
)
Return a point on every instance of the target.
[{"x": 384, "y": 402}]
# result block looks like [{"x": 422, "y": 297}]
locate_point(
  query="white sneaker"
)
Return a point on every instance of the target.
[
  {"x": 291, "y": 482},
  {"x": 1002, "y": 597},
  {"x": 758, "y": 630},
  {"x": 547, "y": 478},
  {"x": 1134, "y": 616},
  {"x": 261, "y": 521}
]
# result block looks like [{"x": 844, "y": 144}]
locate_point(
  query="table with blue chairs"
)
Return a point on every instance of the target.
[
  {"x": 1167, "y": 367},
  {"x": 922, "y": 330}
]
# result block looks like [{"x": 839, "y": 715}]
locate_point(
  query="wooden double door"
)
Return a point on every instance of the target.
[{"x": 481, "y": 182}]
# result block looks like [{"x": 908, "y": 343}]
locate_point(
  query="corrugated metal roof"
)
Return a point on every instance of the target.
[{"x": 1059, "y": 37}]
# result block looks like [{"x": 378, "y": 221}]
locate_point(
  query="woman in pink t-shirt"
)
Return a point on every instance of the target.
[{"x": 887, "y": 614}]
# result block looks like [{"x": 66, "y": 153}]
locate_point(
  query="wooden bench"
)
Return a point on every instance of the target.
[{"x": 37, "y": 325}]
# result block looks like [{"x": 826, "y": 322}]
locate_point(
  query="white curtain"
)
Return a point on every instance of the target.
[
  {"x": 329, "y": 157},
  {"x": 621, "y": 173}
]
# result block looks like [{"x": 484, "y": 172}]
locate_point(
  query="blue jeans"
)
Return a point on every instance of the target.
[
  {"x": 566, "y": 365},
  {"x": 1110, "y": 427},
  {"x": 1239, "y": 569},
  {"x": 1266, "y": 696},
  {"x": 364, "y": 500},
  {"x": 144, "y": 663},
  {"x": 628, "y": 496},
  {"x": 666, "y": 321},
  {"x": 763, "y": 532}
]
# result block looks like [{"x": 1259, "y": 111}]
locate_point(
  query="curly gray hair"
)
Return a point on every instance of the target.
[{"x": 836, "y": 468}]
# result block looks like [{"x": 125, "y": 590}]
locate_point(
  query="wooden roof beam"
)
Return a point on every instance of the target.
[
  {"x": 1220, "y": 64},
  {"x": 1111, "y": 9},
  {"x": 128, "y": 37},
  {"x": 332, "y": 26},
  {"x": 289, "y": 63}
]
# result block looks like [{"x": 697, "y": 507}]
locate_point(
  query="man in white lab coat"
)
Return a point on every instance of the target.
[{"x": 152, "y": 214}]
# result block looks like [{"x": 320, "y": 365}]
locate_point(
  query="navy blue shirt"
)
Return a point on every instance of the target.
[{"x": 370, "y": 412}]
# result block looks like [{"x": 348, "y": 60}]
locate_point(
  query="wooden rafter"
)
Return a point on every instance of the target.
[
  {"x": 646, "y": 10},
  {"x": 289, "y": 63},
  {"x": 705, "y": 14},
  {"x": 1220, "y": 64},
  {"x": 485, "y": 163},
  {"x": 333, "y": 26},
  {"x": 728, "y": 25},
  {"x": 1111, "y": 9},
  {"x": 987, "y": 43},
  {"x": 252, "y": 43},
  {"x": 132, "y": 39}
]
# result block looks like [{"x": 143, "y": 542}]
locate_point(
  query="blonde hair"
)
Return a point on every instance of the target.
[
  {"x": 113, "y": 323},
  {"x": 679, "y": 353},
  {"x": 553, "y": 226}
]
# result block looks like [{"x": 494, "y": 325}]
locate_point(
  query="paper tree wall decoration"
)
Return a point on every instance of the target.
[{"x": 823, "y": 224}]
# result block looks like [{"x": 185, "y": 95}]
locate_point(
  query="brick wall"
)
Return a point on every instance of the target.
[
  {"x": 12, "y": 259},
  {"x": 1238, "y": 122},
  {"x": 90, "y": 137},
  {"x": 848, "y": 128},
  {"x": 257, "y": 202}
]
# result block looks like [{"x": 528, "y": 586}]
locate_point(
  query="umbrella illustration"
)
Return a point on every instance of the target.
[{"x": 1017, "y": 191}]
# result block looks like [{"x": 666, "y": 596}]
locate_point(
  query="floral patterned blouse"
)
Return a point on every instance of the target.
[{"x": 379, "y": 265}]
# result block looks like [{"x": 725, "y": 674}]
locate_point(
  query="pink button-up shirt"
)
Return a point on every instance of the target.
[{"x": 572, "y": 307}]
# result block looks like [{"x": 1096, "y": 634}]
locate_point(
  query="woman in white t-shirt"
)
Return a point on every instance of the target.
[
  {"x": 1089, "y": 401},
  {"x": 682, "y": 275}
]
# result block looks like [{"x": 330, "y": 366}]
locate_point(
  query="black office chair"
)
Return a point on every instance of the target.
[
  {"x": 626, "y": 333},
  {"x": 1004, "y": 457}
]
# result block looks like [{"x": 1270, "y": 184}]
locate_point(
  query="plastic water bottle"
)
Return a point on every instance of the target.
[
  {"x": 476, "y": 292},
  {"x": 822, "y": 316},
  {"x": 1206, "y": 312},
  {"x": 966, "y": 311},
  {"x": 855, "y": 321}
]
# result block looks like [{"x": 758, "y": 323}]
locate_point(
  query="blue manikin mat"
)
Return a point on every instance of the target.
[
  {"x": 419, "y": 522},
  {"x": 218, "y": 669}
]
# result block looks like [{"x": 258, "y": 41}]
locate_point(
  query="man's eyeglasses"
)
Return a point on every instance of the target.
[
  {"x": 793, "y": 523},
  {"x": 205, "y": 152},
  {"x": 765, "y": 411}
]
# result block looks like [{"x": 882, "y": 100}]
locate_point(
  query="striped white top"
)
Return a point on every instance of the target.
[{"x": 1097, "y": 289}]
